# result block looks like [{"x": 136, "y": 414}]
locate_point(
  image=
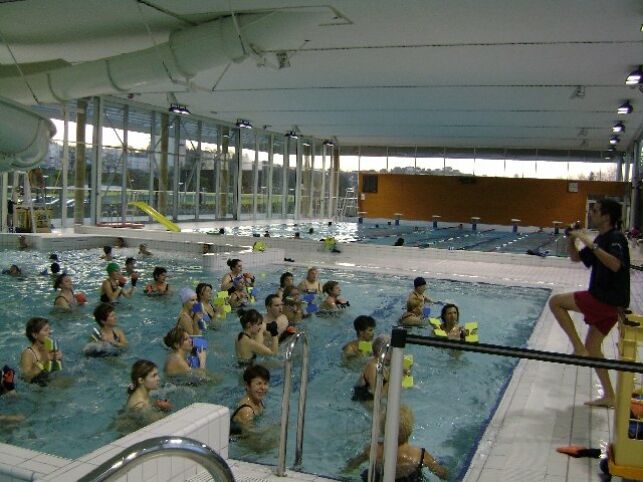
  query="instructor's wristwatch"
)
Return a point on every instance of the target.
[{"x": 595, "y": 247}]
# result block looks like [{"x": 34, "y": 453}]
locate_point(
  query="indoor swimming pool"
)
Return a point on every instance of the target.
[{"x": 453, "y": 398}]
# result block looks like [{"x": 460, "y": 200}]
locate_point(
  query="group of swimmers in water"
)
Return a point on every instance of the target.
[{"x": 259, "y": 336}]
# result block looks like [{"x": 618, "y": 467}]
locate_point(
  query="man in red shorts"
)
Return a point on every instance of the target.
[{"x": 609, "y": 288}]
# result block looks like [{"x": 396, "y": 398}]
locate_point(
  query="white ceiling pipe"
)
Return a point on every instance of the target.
[
  {"x": 187, "y": 52},
  {"x": 24, "y": 136}
]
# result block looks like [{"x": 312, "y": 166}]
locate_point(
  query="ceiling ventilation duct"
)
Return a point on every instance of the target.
[
  {"x": 24, "y": 136},
  {"x": 186, "y": 53}
]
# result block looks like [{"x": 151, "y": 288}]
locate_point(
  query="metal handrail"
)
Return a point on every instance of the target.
[
  {"x": 156, "y": 447},
  {"x": 285, "y": 403},
  {"x": 377, "y": 403}
]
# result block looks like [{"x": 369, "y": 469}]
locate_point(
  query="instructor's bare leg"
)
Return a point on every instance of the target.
[
  {"x": 593, "y": 343},
  {"x": 560, "y": 305}
]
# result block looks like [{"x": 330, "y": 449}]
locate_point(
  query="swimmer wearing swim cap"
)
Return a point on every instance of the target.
[{"x": 114, "y": 287}]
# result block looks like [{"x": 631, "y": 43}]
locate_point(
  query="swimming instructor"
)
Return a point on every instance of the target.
[{"x": 609, "y": 288}]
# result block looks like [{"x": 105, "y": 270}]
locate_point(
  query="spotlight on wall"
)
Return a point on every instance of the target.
[
  {"x": 611, "y": 153},
  {"x": 177, "y": 108},
  {"x": 625, "y": 108},
  {"x": 635, "y": 77},
  {"x": 618, "y": 127},
  {"x": 243, "y": 124},
  {"x": 615, "y": 140},
  {"x": 291, "y": 135}
]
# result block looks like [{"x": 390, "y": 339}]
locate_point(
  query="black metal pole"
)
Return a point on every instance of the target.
[{"x": 527, "y": 353}]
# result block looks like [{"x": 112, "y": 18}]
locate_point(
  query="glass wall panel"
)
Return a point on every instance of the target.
[
  {"x": 291, "y": 172},
  {"x": 306, "y": 187},
  {"x": 263, "y": 172},
  {"x": 138, "y": 155},
  {"x": 318, "y": 174},
  {"x": 430, "y": 165},
  {"x": 163, "y": 163},
  {"x": 277, "y": 176},
  {"x": 189, "y": 158},
  {"x": 490, "y": 167},
  {"x": 209, "y": 153},
  {"x": 457, "y": 167},
  {"x": 372, "y": 164},
  {"x": 247, "y": 169},
  {"x": 520, "y": 168},
  {"x": 113, "y": 162},
  {"x": 227, "y": 174},
  {"x": 401, "y": 160}
]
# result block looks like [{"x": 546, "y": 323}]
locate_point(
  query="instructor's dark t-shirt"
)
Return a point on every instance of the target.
[{"x": 604, "y": 284}]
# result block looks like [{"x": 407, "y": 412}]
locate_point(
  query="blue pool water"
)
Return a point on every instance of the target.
[
  {"x": 416, "y": 234},
  {"x": 453, "y": 397}
]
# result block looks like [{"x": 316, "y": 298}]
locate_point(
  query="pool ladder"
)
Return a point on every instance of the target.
[
  {"x": 166, "y": 446},
  {"x": 285, "y": 403},
  {"x": 377, "y": 407}
]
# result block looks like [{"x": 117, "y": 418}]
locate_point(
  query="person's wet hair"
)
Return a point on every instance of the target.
[
  {"x": 201, "y": 287},
  {"x": 362, "y": 322},
  {"x": 249, "y": 317},
  {"x": 140, "y": 369},
  {"x": 256, "y": 371},
  {"x": 34, "y": 325},
  {"x": 102, "y": 312},
  {"x": 282, "y": 278},
  {"x": 158, "y": 271},
  {"x": 443, "y": 313},
  {"x": 232, "y": 263},
  {"x": 59, "y": 280},
  {"x": 174, "y": 337}
]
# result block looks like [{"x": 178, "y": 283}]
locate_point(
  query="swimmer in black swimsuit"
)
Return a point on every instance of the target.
[
  {"x": 107, "y": 320},
  {"x": 257, "y": 380},
  {"x": 250, "y": 342},
  {"x": 410, "y": 459},
  {"x": 365, "y": 387}
]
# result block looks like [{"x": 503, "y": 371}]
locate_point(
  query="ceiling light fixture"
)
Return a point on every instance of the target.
[
  {"x": 328, "y": 143},
  {"x": 243, "y": 124},
  {"x": 177, "y": 108},
  {"x": 618, "y": 127},
  {"x": 635, "y": 76},
  {"x": 625, "y": 108},
  {"x": 615, "y": 140},
  {"x": 291, "y": 135}
]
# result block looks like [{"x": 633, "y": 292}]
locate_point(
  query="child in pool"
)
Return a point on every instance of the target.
[
  {"x": 145, "y": 378},
  {"x": 362, "y": 346},
  {"x": 413, "y": 314}
]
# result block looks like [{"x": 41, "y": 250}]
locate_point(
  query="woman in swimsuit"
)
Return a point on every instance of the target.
[
  {"x": 333, "y": 300},
  {"x": 112, "y": 287},
  {"x": 410, "y": 459},
  {"x": 210, "y": 313},
  {"x": 179, "y": 341},
  {"x": 35, "y": 361},
  {"x": 257, "y": 380},
  {"x": 311, "y": 284},
  {"x": 105, "y": 316},
  {"x": 250, "y": 342},
  {"x": 285, "y": 280},
  {"x": 188, "y": 319},
  {"x": 450, "y": 316},
  {"x": 159, "y": 286},
  {"x": 236, "y": 269},
  {"x": 145, "y": 378},
  {"x": 64, "y": 292}
]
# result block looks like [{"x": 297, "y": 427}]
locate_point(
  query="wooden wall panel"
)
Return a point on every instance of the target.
[{"x": 537, "y": 202}]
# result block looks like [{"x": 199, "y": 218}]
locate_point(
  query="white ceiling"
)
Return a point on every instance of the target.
[{"x": 444, "y": 73}]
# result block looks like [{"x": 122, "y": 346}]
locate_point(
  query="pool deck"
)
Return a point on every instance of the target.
[{"x": 542, "y": 407}]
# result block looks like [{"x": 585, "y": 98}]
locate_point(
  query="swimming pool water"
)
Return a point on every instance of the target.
[
  {"x": 416, "y": 234},
  {"x": 452, "y": 400}
]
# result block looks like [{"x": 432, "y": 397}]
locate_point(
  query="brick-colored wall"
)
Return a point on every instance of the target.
[{"x": 537, "y": 202}]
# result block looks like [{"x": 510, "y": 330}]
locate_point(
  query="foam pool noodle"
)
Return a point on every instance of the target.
[{"x": 407, "y": 364}]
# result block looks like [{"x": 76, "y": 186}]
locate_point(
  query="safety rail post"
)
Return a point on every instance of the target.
[
  {"x": 398, "y": 342},
  {"x": 165, "y": 446},
  {"x": 285, "y": 403},
  {"x": 377, "y": 404}
]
